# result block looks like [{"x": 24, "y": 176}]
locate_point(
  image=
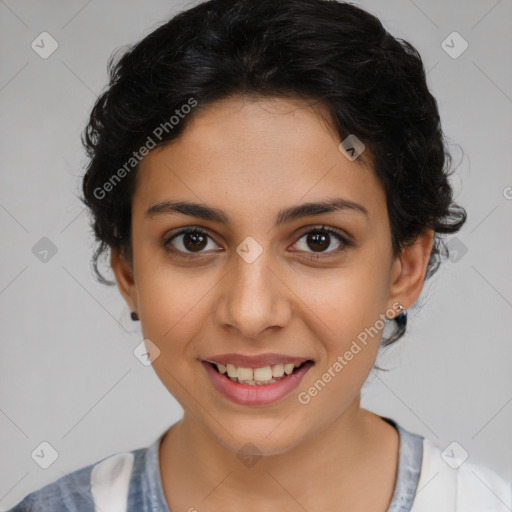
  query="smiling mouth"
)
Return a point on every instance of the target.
[{"x": 257, "y": 376}]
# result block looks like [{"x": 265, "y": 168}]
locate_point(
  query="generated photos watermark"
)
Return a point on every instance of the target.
[
  {"x": 304, "y": 397},
  {"x": 158, "y": 134}
]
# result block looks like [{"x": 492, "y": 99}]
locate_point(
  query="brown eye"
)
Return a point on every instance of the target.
[
  {"x": 320, "y": 239},
  {"x": 187, "y": 241},
  {"x": 194, "y": 241}
]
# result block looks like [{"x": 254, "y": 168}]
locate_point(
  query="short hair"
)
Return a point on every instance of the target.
[{"x": 333, "y": 53}]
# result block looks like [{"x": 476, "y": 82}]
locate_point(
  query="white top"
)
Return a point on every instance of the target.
[{"x": 449, "y": 487}]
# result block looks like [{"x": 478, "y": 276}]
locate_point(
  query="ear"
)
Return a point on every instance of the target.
[
  {"x": 408, "y": 270},
  {"x": 124, "y": 277}
]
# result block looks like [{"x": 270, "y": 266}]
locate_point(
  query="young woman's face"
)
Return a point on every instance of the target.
[{"x": 253, "y": 280}]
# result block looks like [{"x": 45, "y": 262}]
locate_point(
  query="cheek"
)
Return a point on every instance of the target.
[
  {"x": 345, "y": 312},
  {"x": 166, "y": 293},
  {"x": 174, "y": 306},
  {"x": 347, "y": 301}
]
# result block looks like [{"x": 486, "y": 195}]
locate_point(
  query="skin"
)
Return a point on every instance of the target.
[{"x": 252, "y": 157}]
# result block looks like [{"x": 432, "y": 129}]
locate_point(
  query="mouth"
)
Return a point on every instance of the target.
[
  {"x": 261, "y": 385},
  {"x": 257, "y": 376}
]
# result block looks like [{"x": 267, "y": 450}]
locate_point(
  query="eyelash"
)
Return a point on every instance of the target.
[{"x": 315, "y": 229}]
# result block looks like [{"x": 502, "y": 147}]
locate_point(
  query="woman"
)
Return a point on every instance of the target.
[{"x": 271, "y": 182}]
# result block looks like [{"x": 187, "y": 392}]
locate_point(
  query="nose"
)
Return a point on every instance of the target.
[{"x": 254, "y": 297}]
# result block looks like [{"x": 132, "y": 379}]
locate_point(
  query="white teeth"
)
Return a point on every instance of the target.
[
  {"x": 288, "y": 368},
  {"x": 244, "y": 373},
  {"x": 277, "y": 370},
  {"x": 264, "y": 373},
  {"x": 258, "y": 376},
  {"x": 231, "y": 369}
]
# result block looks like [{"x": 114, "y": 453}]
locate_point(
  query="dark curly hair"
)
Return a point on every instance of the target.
[{"x": 331, "y": 52}]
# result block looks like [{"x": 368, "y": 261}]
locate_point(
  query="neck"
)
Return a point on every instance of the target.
[{"x": 192, "y": 457}]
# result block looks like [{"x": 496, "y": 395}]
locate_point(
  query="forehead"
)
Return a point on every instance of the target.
[{"x": 252, "y": 155}]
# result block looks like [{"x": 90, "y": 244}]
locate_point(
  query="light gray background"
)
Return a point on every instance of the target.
[{"x": 67, "y": 372}]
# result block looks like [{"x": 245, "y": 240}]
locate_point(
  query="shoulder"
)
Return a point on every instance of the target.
[
  {"x": 450, "y": 483},
  {"x": 79, "y": 490}
]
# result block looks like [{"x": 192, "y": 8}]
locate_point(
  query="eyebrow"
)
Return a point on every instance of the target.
[{"x": 285, "y": 215}]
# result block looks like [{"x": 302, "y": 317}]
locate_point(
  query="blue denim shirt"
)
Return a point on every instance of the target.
[{"x": 72, "y": 492}]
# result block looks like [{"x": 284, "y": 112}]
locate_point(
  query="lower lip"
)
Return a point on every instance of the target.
[{"x": 257, "y": 394}]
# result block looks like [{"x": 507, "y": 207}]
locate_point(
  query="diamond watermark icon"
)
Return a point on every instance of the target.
[
  {"x": 44, "y": 45},
  {"x": 44, "y": 250},
  {"x": 249, "y": 250},
  {"x": 456, "y": 249},
  {"x": 351, "y": 147},
  {"x": 454, "y": 455},
  {"x": 146, "y": 352},
  {"x": 454, "y": 45},
  {"x": 44, "y": 455},
  {"x": 249, "y": 455}
]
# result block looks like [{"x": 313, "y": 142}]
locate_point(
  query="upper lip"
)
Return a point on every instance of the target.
[{"x": 256, "y": 361}]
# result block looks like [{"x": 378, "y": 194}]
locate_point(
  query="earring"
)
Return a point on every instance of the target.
[
  {"x": 134, "y": 316},
  {"x": 403, "y": 314}
]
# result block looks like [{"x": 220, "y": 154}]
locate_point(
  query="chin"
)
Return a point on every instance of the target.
[{"x": 261, "y": 438}]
